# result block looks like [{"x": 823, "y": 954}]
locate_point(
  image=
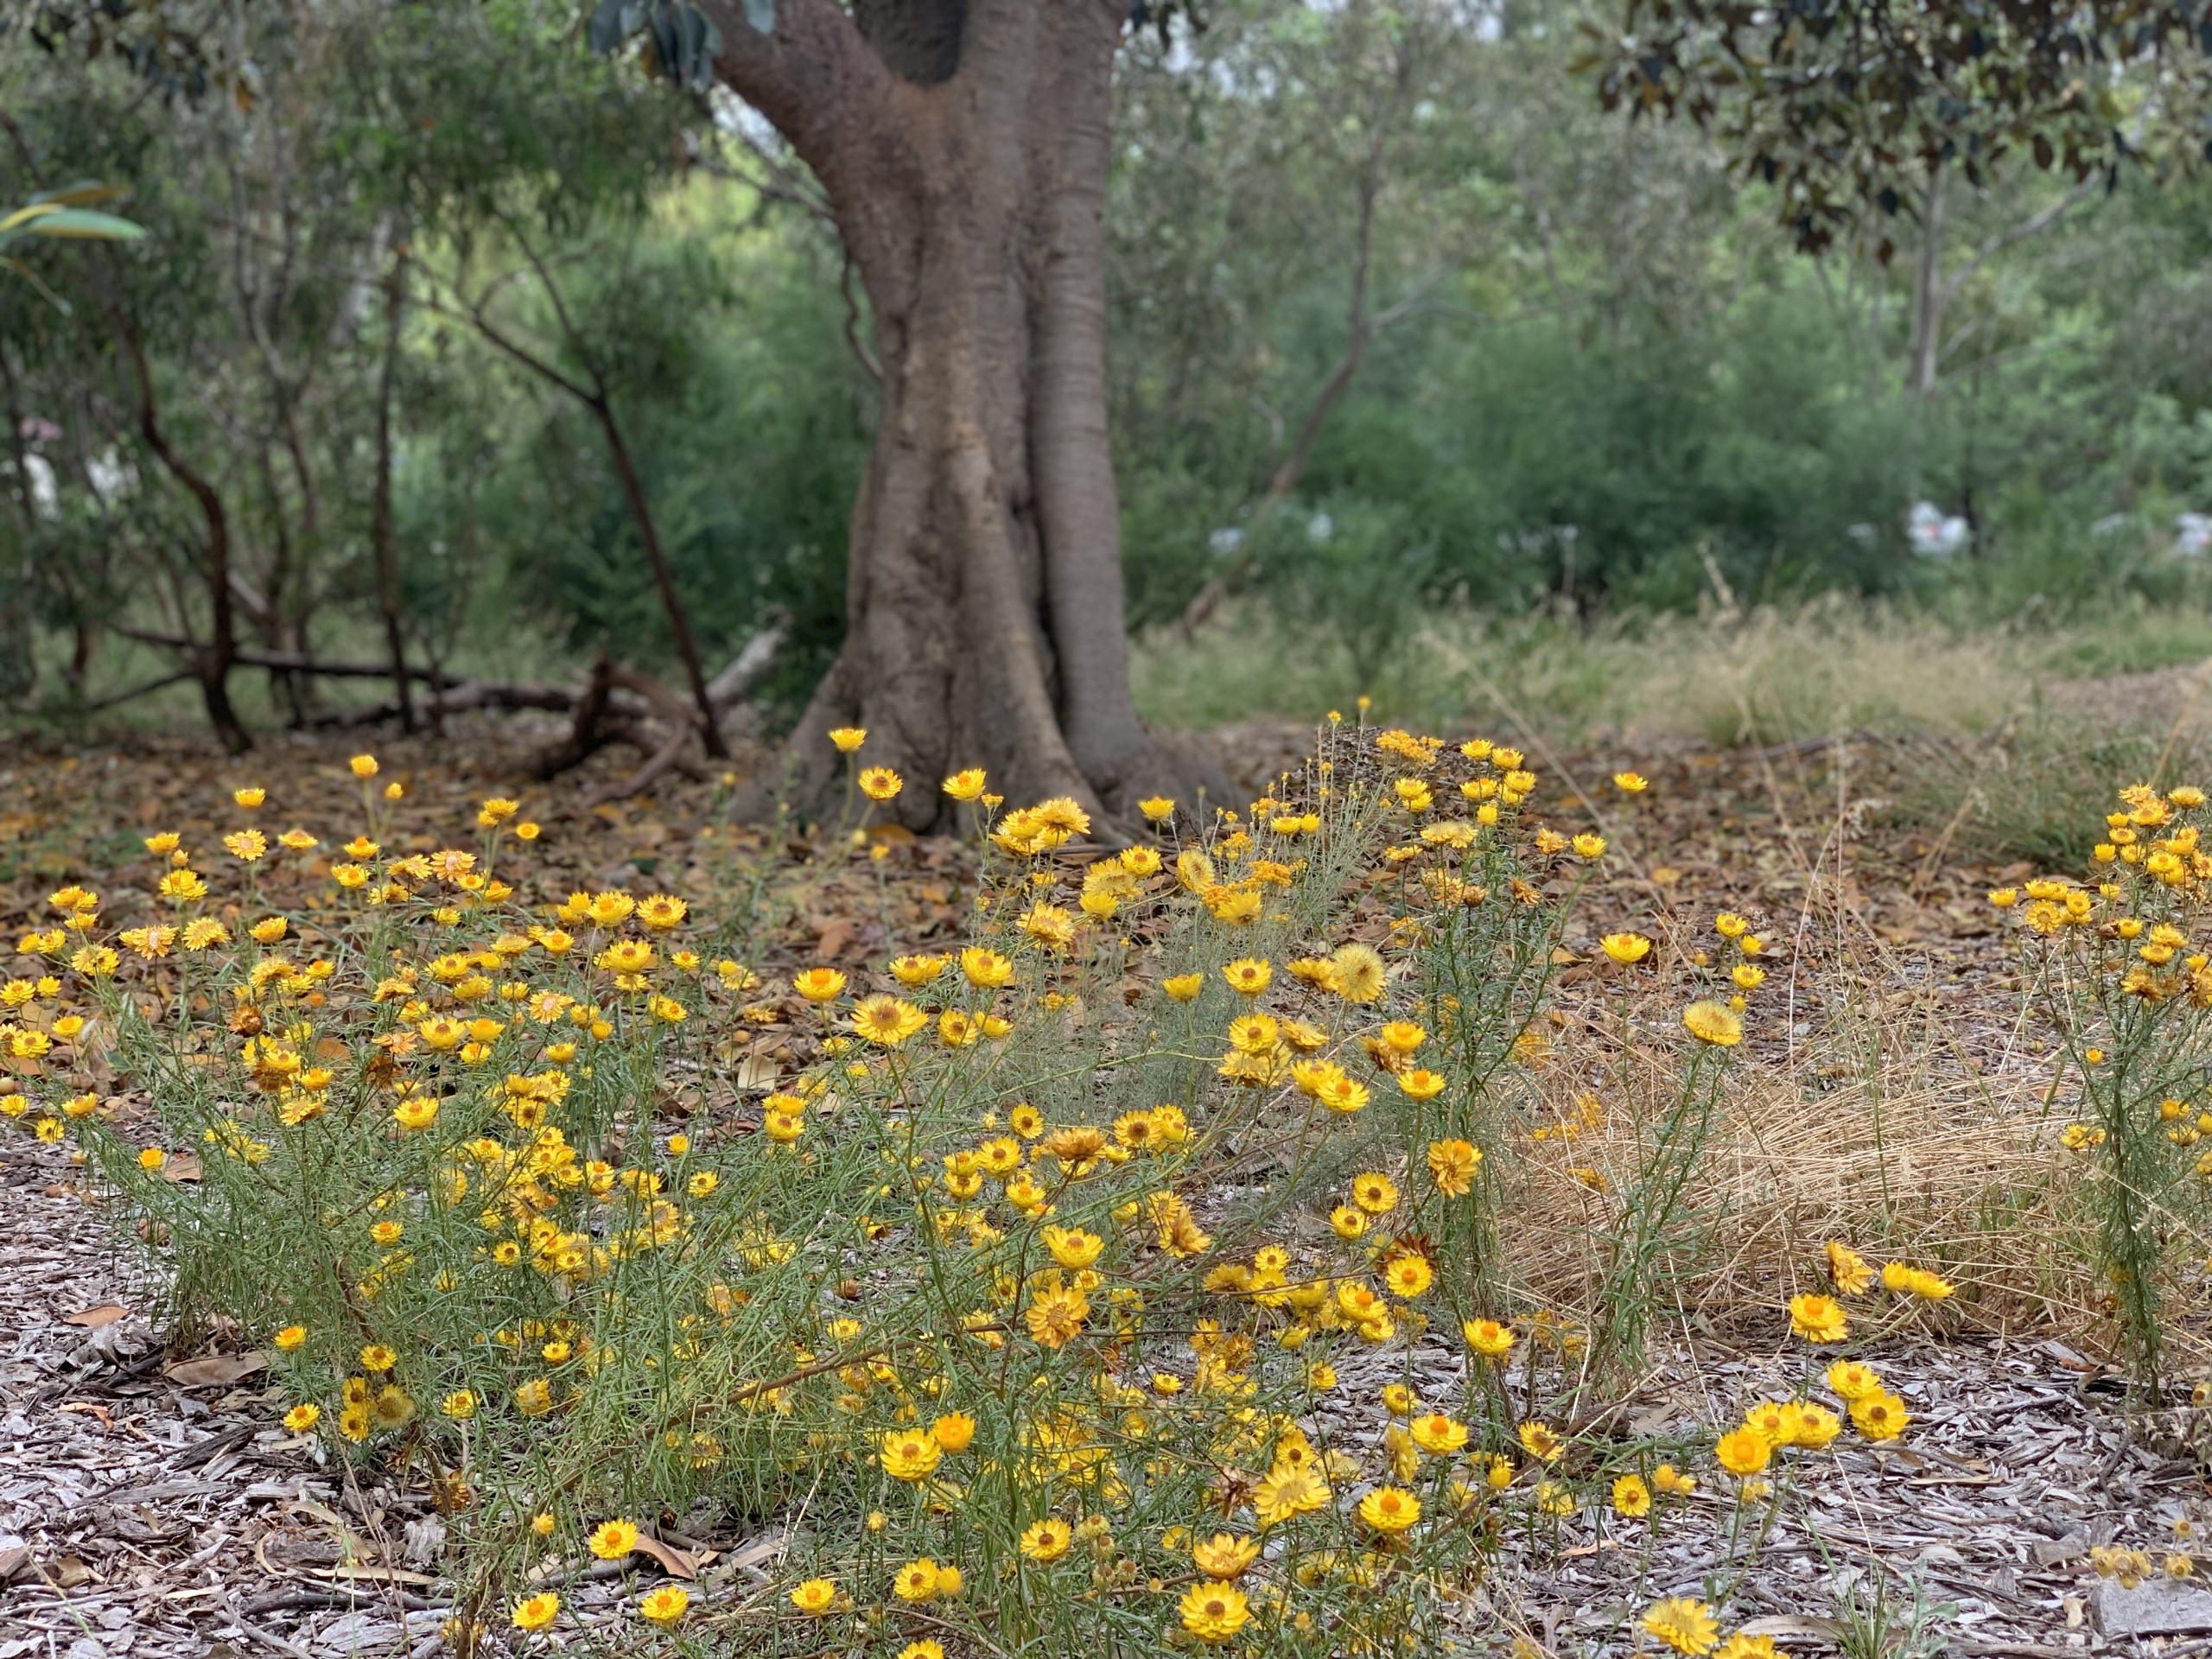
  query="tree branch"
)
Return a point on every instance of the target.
[
  {"x": 383, "y": 535},
  {"x": 144, "y": 688},
  {"x": 284, "y": 661},
  {"x": 559, "y": 302},
  {"x": 2035, "y": 225},
  {"x": 810, "y": 74},
  {"x": 596, "y": 399},
  {"x": 1361, "y": 329},
  {"x": 774, "y": 182},
  {"x": 450, "y": 693},
  {"x": 747, "y": 668},
  {"x": 216, "y": 658},
  {"x": 1358, "y": 335},
  {"x": 471, "y": 312}
]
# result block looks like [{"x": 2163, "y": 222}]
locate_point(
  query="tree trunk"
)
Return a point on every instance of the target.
[
  {"x": 592, "y": 391},
  {"x": 383, "y": 538},
  {"x": 19, "y": 453},
  {"x": 1927, "y": 293},
  {"x": 965, "y": 149},
  {"x": 20, "y": 676},
  {"x": 679, "y": 619},
  {"x": 284, "y": 685},
  {"x": 219, "y": 654}
]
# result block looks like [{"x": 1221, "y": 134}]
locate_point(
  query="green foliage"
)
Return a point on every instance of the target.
[
  {"x": 1606, "y": 473},
  {"x": 1629, "y": 391},
  {"x": 480, "y": 1231},
  {"x": 750, "y": 419},
  {"x": 1879, "y": 1615},
  {"x": 59, "y": 214},
  {"x": 1848, "y": 104},
  {"x": 2130, "y": 1009},
  {"x": 453, "y": 147},
  {"x": 1599, "y": 382}
]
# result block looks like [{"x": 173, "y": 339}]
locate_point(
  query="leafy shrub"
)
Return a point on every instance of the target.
[
  {"x": 1130, "y": 1220},
  {"x": 2113, "y": 970}
]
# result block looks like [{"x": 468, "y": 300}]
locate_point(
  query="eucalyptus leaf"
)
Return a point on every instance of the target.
[
  {"x": 702, "y": 41},
  {"x": 667, "y": 45},
  {"x": 81, "y": 222},
  {"x": 684, "y": 39},
  {"x": 77, "y": 194},
  {"x": 604, "y": 32},
  {"x": 761, "y": 15}
]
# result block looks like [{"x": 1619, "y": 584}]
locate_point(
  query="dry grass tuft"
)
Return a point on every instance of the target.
[{"x": 1904, "y": 1165}]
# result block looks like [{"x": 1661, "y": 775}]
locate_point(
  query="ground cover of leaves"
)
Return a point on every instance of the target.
[{"x": 151, "y": 1504}]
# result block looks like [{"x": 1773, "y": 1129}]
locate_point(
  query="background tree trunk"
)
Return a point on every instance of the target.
[
  {"x": 964, "y": 148},
  {"x": 384, "y": 538},
  {"x": 216, "y": 658},
  {"x": 1929, "y": 293}
]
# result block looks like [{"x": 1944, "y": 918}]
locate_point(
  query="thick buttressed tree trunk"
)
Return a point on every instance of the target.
[{"x": 965, "y": 148}]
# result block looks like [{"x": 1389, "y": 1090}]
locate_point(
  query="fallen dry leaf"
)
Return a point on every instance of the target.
[
  {"x": 215, "y": 1369},
  {"x": 93, "y": 1318},
  {"x": 374, "y": 1575},
  {"x": 68, "y": 1574},
  {"x": 90, "y": 1409},
  {"x": 355, "y": 1548},
  {"x": 322, "y": 1512},
  {"x": 1590, "y": 1549},
  {"x": 675, "y": 1562},
  {"x": 182, "y": 1166},
  {"x": 766, "y": 1547}
]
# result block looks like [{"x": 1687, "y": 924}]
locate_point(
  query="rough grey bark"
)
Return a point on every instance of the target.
[{"x": 964, "y": 150}]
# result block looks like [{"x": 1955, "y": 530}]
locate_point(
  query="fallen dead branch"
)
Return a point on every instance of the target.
[{"x": 614, "y": 703}]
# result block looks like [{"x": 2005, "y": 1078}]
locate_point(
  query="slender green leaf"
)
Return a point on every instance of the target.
[{"x": 79, "y": 222}]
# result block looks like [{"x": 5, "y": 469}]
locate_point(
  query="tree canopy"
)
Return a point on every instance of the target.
[{"x": 1844, "y": 105}]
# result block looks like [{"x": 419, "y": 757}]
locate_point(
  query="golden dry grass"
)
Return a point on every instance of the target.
[
  {"x": 1772, "y": 674},
  {"x": 1766, "y": 677},
  {"x": 1937, "y": 1174},
  {"x": 1769, "y": 675}
]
